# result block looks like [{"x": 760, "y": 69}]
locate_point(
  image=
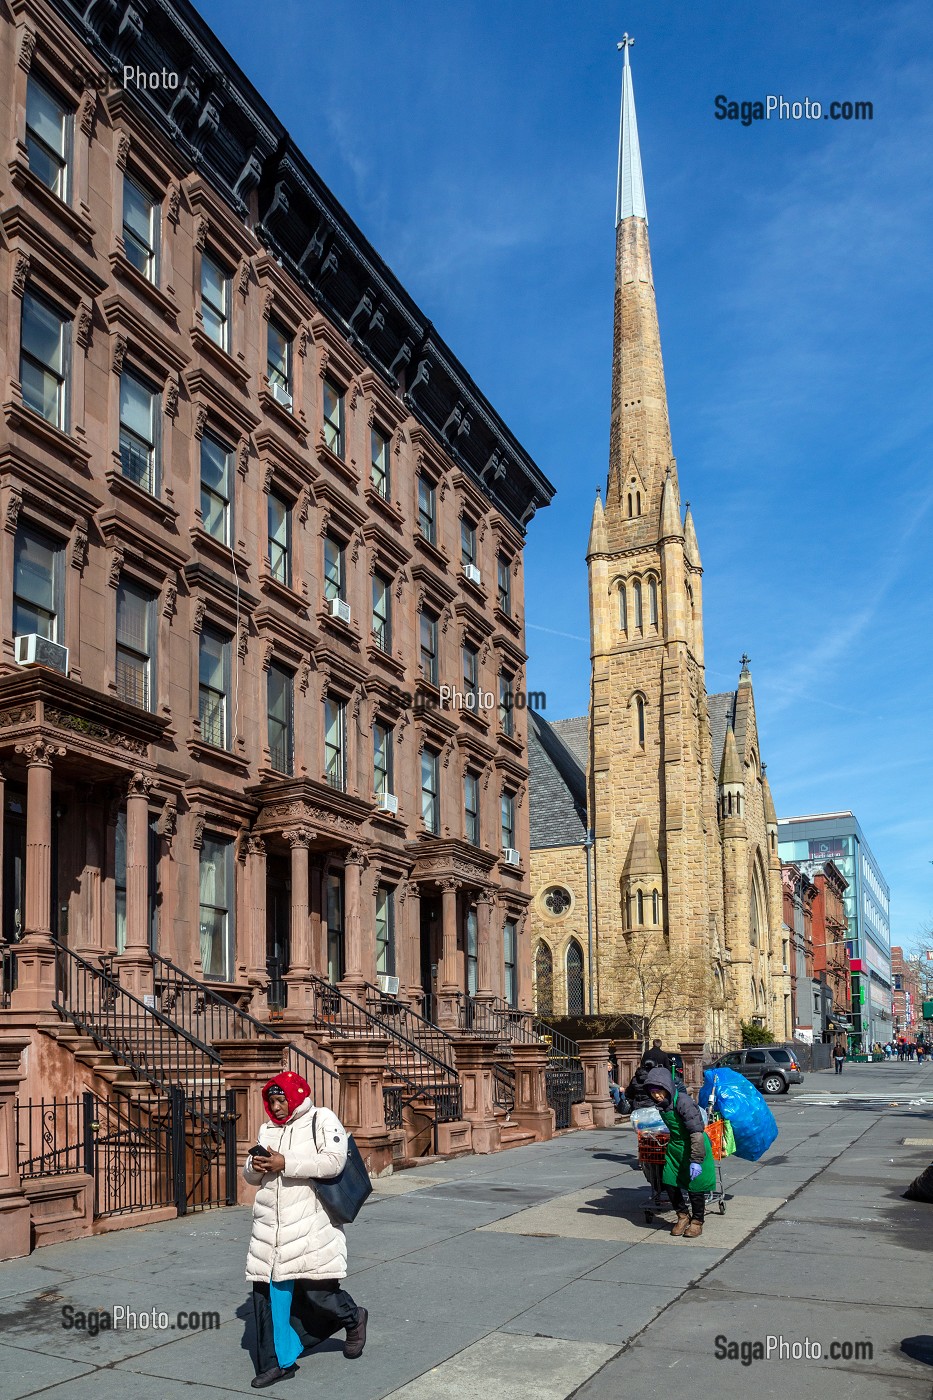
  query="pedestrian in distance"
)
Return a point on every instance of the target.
[
  {"x": 689, "y": 1169},
  {"x": 297, "y": 1255},
  {"x": 839, "y": 1056},
  {"x": 615, "y": 1093},
  {"x": 656, "y": 1057}
]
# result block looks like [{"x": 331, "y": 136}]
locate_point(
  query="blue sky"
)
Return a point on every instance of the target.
[{"x": 475, "y": 144}]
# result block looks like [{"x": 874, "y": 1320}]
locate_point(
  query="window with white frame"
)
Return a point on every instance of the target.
[
  {"x": 141, "y": 226},
  {"x": 279, "y": 544},
  {"x": 215, "y": 301},
  {"x": 471, "y": 950},
  {"x": 217, "y": 477},
  {"x": 334, "y": 418},
  {"x": 279, "y": 357},
  {"x": 44, "y": 359},
  {"x": 510, "y": 962},
  {"x": 467, "y": 542},
  {"x": 334, "y": 905},
  {"x": 379, "y": 462},
  {"x": 48, "y": 137},
  {"x": 140, "y": 416},
  {"x": 382, "y": 758},
  {"x": 335, "y": 583},
  {"x": 213, "y": 687},
  {"x": 385, "y": 930},
  {"x": 136, "y": 633},
  {"x": 430, "y": 804},
  {"x": 427, "y": 510},
  {"x": 37, "y": 584},
  {"x": 508, "y": 821},
  {"x": 335, "y": 742},
  {"x": 280, "y": 712},
  {"x": 382, "y": 612},
  {"x": 471, "y": 807},
  {"x": 217, "y": 908}
]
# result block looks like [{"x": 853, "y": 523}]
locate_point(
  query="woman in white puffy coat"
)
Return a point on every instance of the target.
[{"x": 297, "y": 1254}]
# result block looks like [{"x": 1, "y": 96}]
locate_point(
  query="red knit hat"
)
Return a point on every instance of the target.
[{"x": 295, "y": 1089}]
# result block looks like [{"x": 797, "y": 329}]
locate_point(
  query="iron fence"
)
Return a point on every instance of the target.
[
  {"x": 564, "y": 1088},
  {"x": 50, "y": 1138}
]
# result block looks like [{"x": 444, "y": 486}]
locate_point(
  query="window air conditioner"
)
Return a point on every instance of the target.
[
  {"x": 388, "y": 802},
  {"x": 338, "y": 608},
  {"x": 282, "y": 396},
  {"x": 472, "y": 573},
  {"x": 33, "y": 650},
  {"x": 387, "y": 985},
  {"x": 511, "y": 856}
]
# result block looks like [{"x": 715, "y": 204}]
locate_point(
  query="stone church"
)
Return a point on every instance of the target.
[{"x": 655, "y": 868}]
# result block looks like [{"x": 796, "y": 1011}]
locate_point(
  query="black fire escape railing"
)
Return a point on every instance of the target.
[
  {"x": 415, "y": 1075},
  {"x": 206, "y": 1014}
]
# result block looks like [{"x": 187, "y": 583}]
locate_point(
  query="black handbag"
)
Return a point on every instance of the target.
[{"x": 343, "y": 1196}]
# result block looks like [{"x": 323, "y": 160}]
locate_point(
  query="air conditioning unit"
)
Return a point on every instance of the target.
[
  {"x": 388, "y": 802},
  {"x": 471, "y": 572},
  {"x": 338, "y": 608},
  {"x": 33, "y": 650},
  {"x": 282, "y": 396},
  {"x": 511, "y": 856},
  {"x": 387, "y": 985}
]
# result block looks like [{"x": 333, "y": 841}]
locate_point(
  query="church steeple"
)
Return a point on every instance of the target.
[{"x": 640, "y": 441}]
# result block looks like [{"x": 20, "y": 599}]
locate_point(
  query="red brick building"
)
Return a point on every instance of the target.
[
  {"x": 907, "y": 997},
  {"x": 830, "y": 946}
]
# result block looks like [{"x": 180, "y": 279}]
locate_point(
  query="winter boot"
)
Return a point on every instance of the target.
[
  {"x": 272, "y": 1377},
  {"x": 693, "y": 1229},
  {"x": 683, "y": 1221},
  {"x": 356, "y": 1336}
]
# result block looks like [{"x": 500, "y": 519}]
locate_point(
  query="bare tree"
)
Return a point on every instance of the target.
[{"x": 661, "y": 985}]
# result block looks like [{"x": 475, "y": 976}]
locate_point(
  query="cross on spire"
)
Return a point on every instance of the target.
[{"x": 745, "y": 659}]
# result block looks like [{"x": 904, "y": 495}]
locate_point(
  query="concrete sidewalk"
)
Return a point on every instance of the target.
[{"x": 533, "y": 1273}]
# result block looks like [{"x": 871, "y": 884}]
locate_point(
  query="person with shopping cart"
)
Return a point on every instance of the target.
[{"x": 689, "y": 1168}]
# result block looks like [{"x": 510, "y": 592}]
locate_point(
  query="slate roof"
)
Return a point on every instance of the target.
[
  {"x": 576, "y": 735},
  {"x": 557, "y": 783},
  {"x": 721, "y": 714}
]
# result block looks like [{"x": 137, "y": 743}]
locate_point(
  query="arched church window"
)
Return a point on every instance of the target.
[
  {"x": 544, "y": 980},
  {"x": 655, "y": 907},
  {"x": 638, "y": 503},
  {"x": 574, "y": 979},
  {"x": 636, "y": 596},
  {"x": 630, "y": 505},
  {"x": 754, "y": 994},
  {"x": 640, "y": 720},
  {"x": 639, "y": 908},
  {"x": 623, "y": 608},
  {"x": 653, "y": 602}
]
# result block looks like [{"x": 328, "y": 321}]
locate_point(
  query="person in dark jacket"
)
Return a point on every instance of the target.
[
  {"x": 688, "y": 1163},
  {"x": 636, "y": 1095},
  {"x": 656, "y": 1057}
]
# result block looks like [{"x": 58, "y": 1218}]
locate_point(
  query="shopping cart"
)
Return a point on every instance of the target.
[{"x": 652, "y": 1148}]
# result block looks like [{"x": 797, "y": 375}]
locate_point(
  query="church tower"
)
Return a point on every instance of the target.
[{"x": 652, "y": 790}]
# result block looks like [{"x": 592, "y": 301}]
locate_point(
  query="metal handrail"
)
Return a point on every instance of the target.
[
  {"x": 177, "y": 988},
  {"x": 413, "y": 1025},
  {"x": 7, "y": 975}
]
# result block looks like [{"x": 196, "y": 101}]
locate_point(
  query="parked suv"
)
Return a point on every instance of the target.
[{"x": 770, "y": 1068}]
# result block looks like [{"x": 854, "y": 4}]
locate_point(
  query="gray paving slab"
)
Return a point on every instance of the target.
[
  {"x": 811, "y": 1238},
  {"x": 595, "y": 1311},
  {"x": 778, "y": 1274},
  {"x": 23, "y": 1371},
  {"x": 502, "y": 1367},
  {"x": 557, "y": 1260},
  {"x": 669, "y": 1264}
]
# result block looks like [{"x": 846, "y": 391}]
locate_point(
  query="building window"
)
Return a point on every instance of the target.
[
  {"x": 385, "y": 931},
  {"x": 216, "y": 489},
  {"x": 471, "y": 807},
  {"x": 382, "y": 612},
  {"x": 280, "y": 539},
  {"x": 139, "y": 433},
  {"x": 508, "y": 821},
  {"x": 574, "y": 963},
  {"x": 640, "y": 720},
  {"x": 215, "y": 302},
  {"x": 48, "y": 137},
  {"x": 639, "y": 908},
  {"x": 544, "y": 980},
  {"x": 428, "y": 647},
  {"x": 280, "y": 706},
  {"x": 141, "y": 220},
  {"x": 636, "y": 596},
  {"x": 557, "y": 900},
  {"x": 335, "y": 585},
  {"x": 471, "y": 678},
  {"x": 655, "y": 907},
  {"x": 379, "y": 464},
  {"x": 382, "y": 759},
  {"x": 653, "y": 602},
  {"x": 43, "y": 364},
  {"x": 37, "y": 584},
  {"x": 471, "y": 950},
  {"x": 333, "y": 418},
  {"x": 213, "y": 685},
  {"x": 504, "y": 585},
  {"x": 430, "y": 806},
  {"x": 279, "y": 358},
  {"x": 335, "y": 742},
  {"x": 427, "y": 510},
  {"x": 135, "y": 644},
  {"x": 510, "y": 962},
  {"x": 506, "y": 705},
  {"x": 334, "y": 927},
  {"x": 623, "y": 608},
  {"x": 217, "y": 908},
  {"x": 467, "y": 543}
]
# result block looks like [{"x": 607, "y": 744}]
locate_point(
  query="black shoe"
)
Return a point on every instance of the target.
[
  {"x": 356, "y": 1336},
  {"x": 271, "y": 1377}
]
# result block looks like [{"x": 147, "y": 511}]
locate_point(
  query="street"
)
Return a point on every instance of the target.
[{"x": 533, "y": 1273}]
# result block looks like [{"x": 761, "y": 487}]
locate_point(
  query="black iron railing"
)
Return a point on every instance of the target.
[
  {"x": 415, "y": 1076},
  {"x": 50, "y": 1138},
  {"x": 399, "y": 1016},
  {"x": 206, "y": 1014},
  {"x": 7, "y": 975}
]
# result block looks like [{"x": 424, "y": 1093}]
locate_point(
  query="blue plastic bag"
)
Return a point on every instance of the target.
[{"x": 741, "y": 1104}]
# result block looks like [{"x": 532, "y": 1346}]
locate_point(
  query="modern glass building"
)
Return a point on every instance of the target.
[{"x": 810, "y": 842}]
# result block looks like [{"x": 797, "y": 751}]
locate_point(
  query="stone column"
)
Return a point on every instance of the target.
[
  {"x": 300, "y": 992},
  {"x": 361, "y": 1064},
  {"x": 35, "y": 954},
  {"x": 256, "y": 931},
  {"x": 476, "y": 1059},
  {"x": 628, "y": 1058},
  {"x": 449, "y": 981},
  {"x": 247, "y": 1066},
  {"x": 316, "y": 920},
  {"x": 594, "y": 1057},
  {"x": 484, "y": 949},
  {"x": 692, "y": 1053},
  {"x": 352, "y": 982},
  {"x": 531, "y": 1109},
  {"x": 134, "y": 963},
  {"x": 15, "y": 1232}
]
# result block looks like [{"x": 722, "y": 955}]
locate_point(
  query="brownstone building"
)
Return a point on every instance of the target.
[
  {"x": 830, "y": 947},
  {"x": 261, "y": 564}
]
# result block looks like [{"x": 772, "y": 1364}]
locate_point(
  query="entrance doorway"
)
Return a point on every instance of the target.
[
  {"x": 14, "y": 870},
  {"x": 430, "y": 951},
  {"x": 278, "y": 920}
]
